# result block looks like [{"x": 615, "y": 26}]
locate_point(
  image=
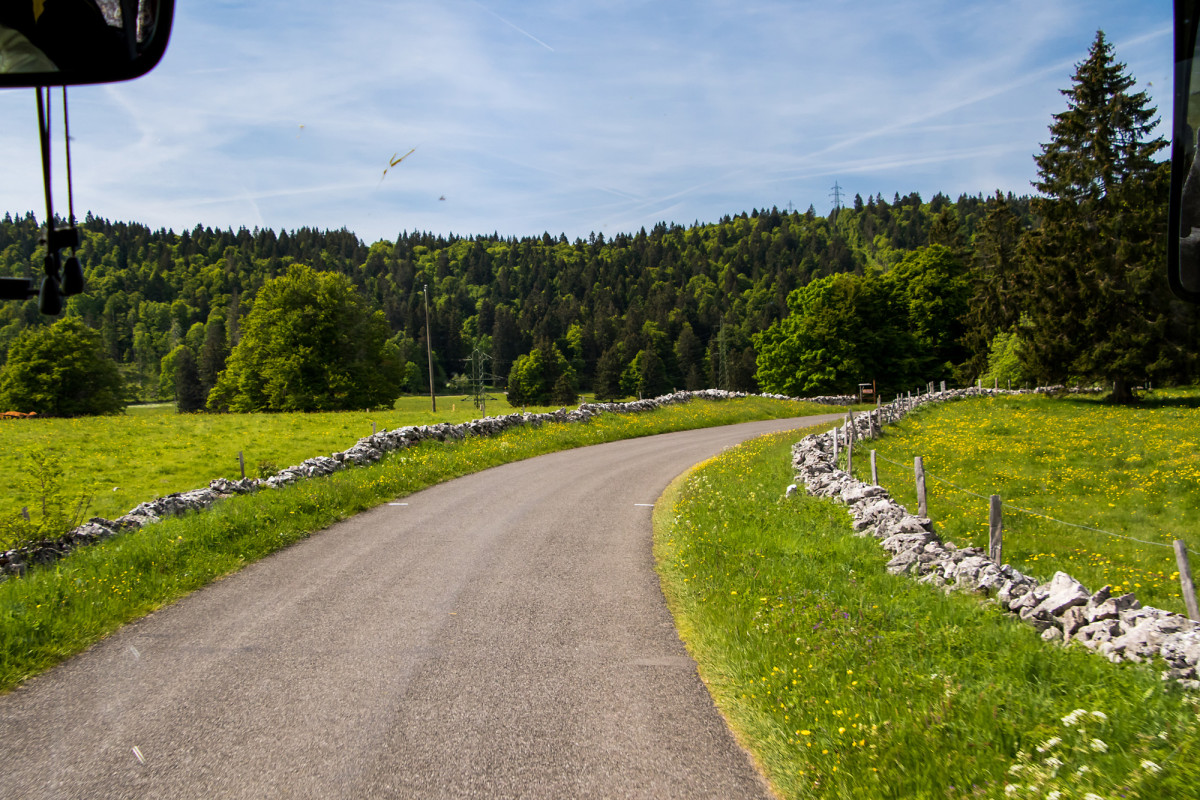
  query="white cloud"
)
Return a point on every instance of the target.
[{"x": 572, "y": 116}]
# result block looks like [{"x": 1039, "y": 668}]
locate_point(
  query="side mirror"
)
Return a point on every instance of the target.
[
  {"x": 1183, "y": 239},
  {"x": 72, "y": 42}
]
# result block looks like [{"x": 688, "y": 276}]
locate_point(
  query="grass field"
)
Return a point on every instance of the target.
[
  {"x": 59, "y": 610},
  {"x": 1132, "y": 472},
  {"x": 151, "y": 451},
  {"x": 847, "y": 682}
]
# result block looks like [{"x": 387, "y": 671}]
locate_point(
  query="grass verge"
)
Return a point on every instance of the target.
[
  {"x": 54, "y": 612},
  {"x": 1134, "y": 472},
  {"x": 847, "y": 682}
]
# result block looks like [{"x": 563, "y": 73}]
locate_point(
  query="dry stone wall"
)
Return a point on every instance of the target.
[
  {"x": 365, "y": 451},
  {"x": 1062, "y": 609}
]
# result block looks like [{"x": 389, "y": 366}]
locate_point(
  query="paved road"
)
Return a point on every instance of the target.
[{"x": 502, "y": 635}]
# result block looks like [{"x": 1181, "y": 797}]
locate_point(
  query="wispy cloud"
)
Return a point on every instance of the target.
[{"x": 594, "y": 116}]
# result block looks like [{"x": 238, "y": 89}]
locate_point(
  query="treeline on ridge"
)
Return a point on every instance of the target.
[{"x": 695, "y": 296}]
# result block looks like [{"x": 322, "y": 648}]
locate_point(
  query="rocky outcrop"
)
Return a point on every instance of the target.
[{"x": 1062, "y": 610}]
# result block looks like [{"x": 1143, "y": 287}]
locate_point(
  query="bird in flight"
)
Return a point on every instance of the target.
[{"x": 394, "y": 161}]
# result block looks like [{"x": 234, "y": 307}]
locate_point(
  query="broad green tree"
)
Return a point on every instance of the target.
[
  {"x": 310, "y": 343},
  {"x": 62, "y": 370},
  {"x": 843, "y": 330},
  {"x": 540, "y": 377}
]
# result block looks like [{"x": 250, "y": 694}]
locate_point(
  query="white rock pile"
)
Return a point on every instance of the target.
[
  {"x": 1063, "y": 610},
  {"x": 365, "y": 451}
]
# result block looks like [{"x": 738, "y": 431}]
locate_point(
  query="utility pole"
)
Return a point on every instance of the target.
[
  {"x": 723, "y": 364},
  {"x": 429, "y": 350}
]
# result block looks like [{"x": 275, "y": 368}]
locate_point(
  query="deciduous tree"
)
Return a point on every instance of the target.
[
  {"x": 62, "y": 371},
  {"x": 310, "y": 343}
]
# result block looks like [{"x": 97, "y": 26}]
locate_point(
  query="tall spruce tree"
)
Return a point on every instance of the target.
[{"x": 1097, "y": 306}]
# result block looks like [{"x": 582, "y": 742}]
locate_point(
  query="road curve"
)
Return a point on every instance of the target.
[{"x": 502, "y": 635}]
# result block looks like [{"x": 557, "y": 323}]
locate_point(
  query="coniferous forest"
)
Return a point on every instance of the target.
[{"x": 1068, "y": 285}]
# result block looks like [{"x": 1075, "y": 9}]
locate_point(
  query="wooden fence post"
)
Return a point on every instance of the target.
[
  {"x": 242, "y": 464},
  {"x": 372, "y": 428},
  {"x": 850, "y": 443},
  {"x": 995, "y": 530},
  {"x": 919, "y": 471},
  {"x": 874, "y": 470},
  {"x": 1185, "y": 580},
  {"x": 943, "y": 386},
  {"x": 834, "y": 434}
]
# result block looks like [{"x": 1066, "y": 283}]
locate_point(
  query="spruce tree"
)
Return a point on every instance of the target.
[
  {"x": 1097, "y": 305},
  {"x": 189, "y": 391}
]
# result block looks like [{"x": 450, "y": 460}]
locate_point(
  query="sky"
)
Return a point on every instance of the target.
[{"x": 580, "y": 117}]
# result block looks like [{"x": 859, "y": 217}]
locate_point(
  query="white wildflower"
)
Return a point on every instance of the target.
[
  {"x": 1100, "y": 715},
  {"x": 1054, "y": 795},
  {"x": 1083, "y": 769},
  {"x": 1049, "y": 743},
  {"x": 1053, "y": 762},
  {"x": 1099, "y": 746},
  {"x": 1150, "y": 766},
  {"x": 1073, "y": 717},
  {"x": 1092, "y": 796},
  {"x": 1012, "y": 788},
  {"x": 1015, "y": 768}
]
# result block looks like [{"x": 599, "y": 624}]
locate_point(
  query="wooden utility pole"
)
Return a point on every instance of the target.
[{"x": 429, "y": 350}]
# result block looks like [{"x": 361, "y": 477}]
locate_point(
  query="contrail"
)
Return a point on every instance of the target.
[{"x": 521, "y": 31}]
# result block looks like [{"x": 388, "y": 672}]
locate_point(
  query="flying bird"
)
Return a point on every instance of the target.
[{"x": 394, "y": 161}]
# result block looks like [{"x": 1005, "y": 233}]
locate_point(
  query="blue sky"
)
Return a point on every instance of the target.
[{"x": 571, "y": 117}]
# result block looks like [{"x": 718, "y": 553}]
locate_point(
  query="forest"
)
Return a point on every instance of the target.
[
  {"x": 1064, "y": 285},
  {"x": 690, "y": 293}
]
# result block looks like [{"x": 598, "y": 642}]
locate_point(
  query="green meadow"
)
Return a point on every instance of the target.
[
  {"x": 150, "y": 451},
  {"x": 1097, "y": 491},
  {"x": 846, "y": 682}
]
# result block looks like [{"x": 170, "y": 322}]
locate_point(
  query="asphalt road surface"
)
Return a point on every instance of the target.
[{"x": 501, "y": 635}]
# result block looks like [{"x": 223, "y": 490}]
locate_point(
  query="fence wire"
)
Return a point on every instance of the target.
[{"x": 1028, "y": 511}]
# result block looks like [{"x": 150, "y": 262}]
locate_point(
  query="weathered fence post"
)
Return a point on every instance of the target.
[
  {"x": 919, "y": 471},
  {"x": 943, "y": 386},
  {"x": 834, "y": 434},
  {"x": 242, "y": 464},
  {"x": 1185, "y": 580},
  {"x": 372, "y": 428},
  {"x": 874, "y": 470},
  {"x": 995, "y": 530},
  {"x": 850, "y": 443}
]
